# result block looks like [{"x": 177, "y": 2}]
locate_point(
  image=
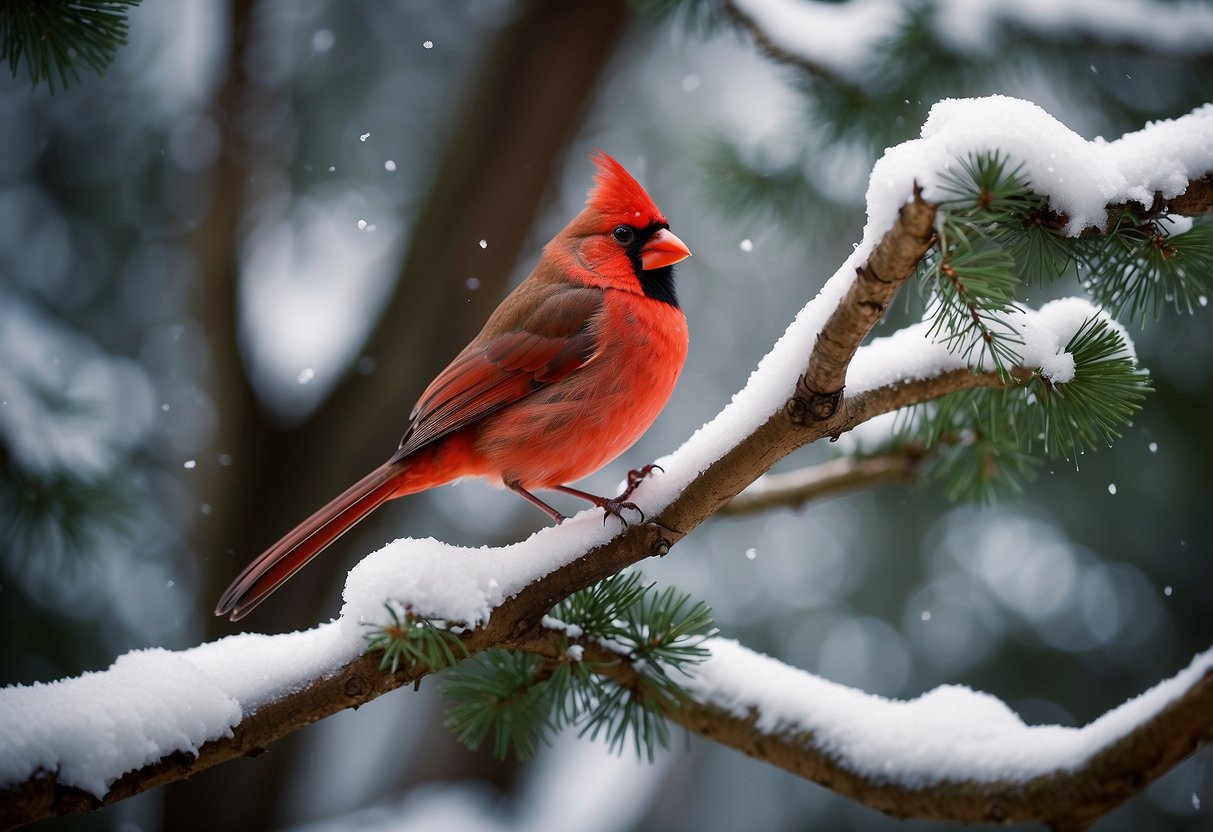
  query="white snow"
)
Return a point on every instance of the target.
[
  {"x": 1167, "y": 28},
  {"x": 909, "y": 354},
  {"x": 94, "y": 727},
  {"x": 154, "y": 703},
  {"x": 949, "y": 733},
  {"x": 846, "y": 38},
  {"x": 1080, "y": 177},
  {"x": 839, "y": 37}
]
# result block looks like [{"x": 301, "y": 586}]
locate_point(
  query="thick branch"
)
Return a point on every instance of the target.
[
  {"x": 1196, "y": 200},
  {"x": 1065, "y": 799},
  {"x": 820, "y": 389}
]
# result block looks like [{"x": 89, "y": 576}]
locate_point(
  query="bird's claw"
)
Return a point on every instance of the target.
[
  {"x": 616, "y": 507},
  {"x": 636, "y": 476}
]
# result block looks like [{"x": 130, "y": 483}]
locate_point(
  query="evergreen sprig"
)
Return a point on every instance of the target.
[
  {"x": 415, "y": 642},
  {"x": 978, "y": 455},
  {"x": 974, "y": 287},
  {"x": 1147, "y": 266},
  {"x": 57, "y": 519},
  {"x": 1089, "y": 411},
  {"x": 502, "y": 693},
  {"x": 989, "y": 443},
  {"x": 521, "y": 699},
  {"x": 57, "y": 37},
  {"x": 996, "y": 234},
  {"x": 755, "y": 185}
]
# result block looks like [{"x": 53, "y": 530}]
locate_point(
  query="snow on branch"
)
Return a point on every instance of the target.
[
  {"x": 158, "y": 716},
  {"x": 844, "y": 41},
  {"x": 952, "y": 753}
]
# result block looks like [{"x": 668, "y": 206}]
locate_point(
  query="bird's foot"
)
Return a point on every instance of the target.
[
  {"x": 616, "y": 507},
  {"x": 636, "y": 476},
  {"x": 611, "y": 507}
]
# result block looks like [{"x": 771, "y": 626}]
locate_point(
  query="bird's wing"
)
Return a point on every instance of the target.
[{"x": 556, "y": 338}]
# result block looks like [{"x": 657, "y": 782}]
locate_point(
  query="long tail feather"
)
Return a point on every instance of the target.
[{"x": 309, "y": 538}]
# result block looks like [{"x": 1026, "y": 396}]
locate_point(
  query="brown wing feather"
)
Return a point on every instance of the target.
[{"x": 503, "y": 365}]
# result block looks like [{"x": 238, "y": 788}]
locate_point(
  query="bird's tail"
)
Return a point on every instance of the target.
[{"x": 291, "y": 553}]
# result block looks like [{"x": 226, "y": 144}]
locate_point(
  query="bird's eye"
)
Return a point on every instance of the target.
[{"x": 623, "y": 234}]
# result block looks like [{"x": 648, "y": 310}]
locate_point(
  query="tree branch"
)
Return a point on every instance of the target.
[
  {"x": 1066, "y": 799},
  {"x": 876, "y": 281},
  {"x": 516, "y": 622},
  {"x": 777, "y": 53},
  {"x": 818, "y": 482},
  {"x": 1088, "y": 33}
]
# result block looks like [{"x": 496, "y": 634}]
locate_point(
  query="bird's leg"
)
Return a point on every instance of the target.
[
  {"x": 611, "y": 507},
  {"x": 614, "y": 507},
  {"x": 555, "y": 516}
]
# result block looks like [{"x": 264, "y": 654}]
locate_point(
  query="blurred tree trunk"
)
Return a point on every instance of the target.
[{"x": 518, "y": 116}]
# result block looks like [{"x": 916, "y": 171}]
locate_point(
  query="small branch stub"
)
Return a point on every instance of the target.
[{"x": 808, "y": 405}]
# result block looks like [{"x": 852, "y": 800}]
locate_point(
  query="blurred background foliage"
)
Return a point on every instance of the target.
[{"x": 229, "y": 265}]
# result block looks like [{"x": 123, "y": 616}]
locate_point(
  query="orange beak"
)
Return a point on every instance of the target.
[{"x": 663, "y": 249}]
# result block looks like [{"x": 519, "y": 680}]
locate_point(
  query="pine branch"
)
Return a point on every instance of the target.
[
  {"x": 517, "y": 622},
  {"x": 521, "y": 700},
  {"x": 915, "y": 49},
  {"x": 765, "y": 44},
  {"x": 57, "y": 37},
  {"x": 414, "y": 642}
]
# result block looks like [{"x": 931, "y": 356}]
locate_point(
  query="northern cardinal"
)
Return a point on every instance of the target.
[{"x": 568, "y": 372}]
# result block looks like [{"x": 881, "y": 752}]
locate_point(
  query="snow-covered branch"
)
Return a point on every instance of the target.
[
  {"x": 943, "y": 755},
  {"x": 169, "y": 715},
  {"x": 845, "y": 42}
]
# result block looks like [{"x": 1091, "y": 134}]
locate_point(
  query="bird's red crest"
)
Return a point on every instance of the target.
[{"x": 618, "y": 196}]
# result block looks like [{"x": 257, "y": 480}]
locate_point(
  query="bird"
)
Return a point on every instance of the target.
[{"x": 568, "y": 372}]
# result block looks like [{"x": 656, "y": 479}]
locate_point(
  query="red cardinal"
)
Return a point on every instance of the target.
[{"x": 566, "y": 375}]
